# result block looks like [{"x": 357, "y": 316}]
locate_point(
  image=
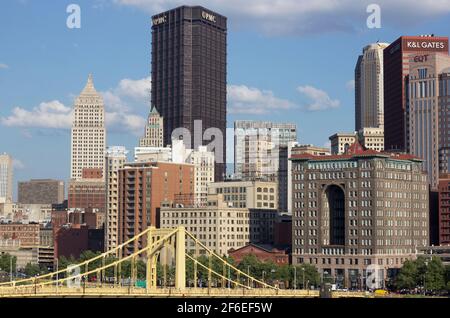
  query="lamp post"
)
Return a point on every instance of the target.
[
  {"x": 263, "y": 276},
  {"x": 425, "y": 278},
  {"x": 295, "y": 277},
  {"x": 10, "y": 268},
  {"x": 303, "y": 270}
]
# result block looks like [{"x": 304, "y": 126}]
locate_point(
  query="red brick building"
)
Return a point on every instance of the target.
[
  {"x": 87, "y": 193},
  {"x": 264, "y": 254},
  {"x": 74, "y": 241},
  {"x": 142, "y": 188}
]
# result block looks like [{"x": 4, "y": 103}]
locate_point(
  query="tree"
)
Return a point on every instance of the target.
[
  {"x": 6, "y": 260},
  {"x": 434, "y": 276},
  {"x": 32, "y": 270},
  {"x": 407, "y": 278}
]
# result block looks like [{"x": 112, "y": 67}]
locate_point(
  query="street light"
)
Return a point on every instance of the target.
[
  {"x": 425, "y": 278},
  {"x": 295, "y": 277},
  {"x": 303, "y": 270},
  {"x": 263, "y": 272},
  {"x": 10, "y": 268}
]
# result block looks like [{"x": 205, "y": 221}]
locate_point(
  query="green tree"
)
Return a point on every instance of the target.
[
  {"x": 407, "y": 278},
  {"x": 435, "y": 275},
  {"x": 32, "y": 269}
]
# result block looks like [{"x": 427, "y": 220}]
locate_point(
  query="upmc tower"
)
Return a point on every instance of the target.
[
  {"x": 396, "y": 68},
  {"x": 189, "y": 71}
]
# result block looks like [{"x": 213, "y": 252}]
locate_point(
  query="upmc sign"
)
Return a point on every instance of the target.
[{"x": 431, "y": 44}]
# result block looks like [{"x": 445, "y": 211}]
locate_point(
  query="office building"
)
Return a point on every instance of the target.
[
  {"x": 396, "y": 68},
  {"x": 369, "y": 91},
  {"x": 154, "y": 130},
  {"x": 369, "y": 138},
  {"x": 219, "y": 225},
  {"x": 6, "y": 178},
  {"x": 88, "y": 193},
  {"x": 444, "y": 209},
  {"x": 247, "y": 194},
  {"x": 358, "y": 209},
  {"x": 428, "y": 112},
  {"x": 116, "y": 158},
  {"x": 41, "y": 191},
  {"x": 27, "y": 235},
  {"x": 142, "y": 188},
  {"x": 88, "y": 132},
  {"x": 189, "y": 76}
]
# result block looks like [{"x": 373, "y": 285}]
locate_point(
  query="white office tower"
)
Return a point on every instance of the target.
[
  {"x": 369, "y": 88},
  {"x": 6, "y": 178},
  {"x": 115, "y": 158},
  {"x": 88, "y": 132}
]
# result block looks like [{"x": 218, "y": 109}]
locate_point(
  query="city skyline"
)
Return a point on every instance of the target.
[{"x": 298, "y": 89}]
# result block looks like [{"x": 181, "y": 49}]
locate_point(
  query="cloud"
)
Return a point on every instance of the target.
[
  {"x": 17, "y": 164},
  {"x": 350, "y": 85},
  {"x": 300, "y": 17},
  {"x": 119, "y": 114},
  {"x": 249, "y": 100},
  {"x": 3, "y": 66},
  {"x": 319, "y": 99},
  {"x": 51, "y": 114}
]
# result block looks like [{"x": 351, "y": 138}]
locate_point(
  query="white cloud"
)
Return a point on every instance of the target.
[
  {"x": 119, "y": 114},
  {"x": 301, "y": 17},
  {"x": 3, "y": 65},
  {"x": 17, "y": 164},
  {"x": 319, "y": 99},
  {"x": 350, "y": 85},
  {"x": 51, "y": 114},
  {"x": 249, "y": 100}
]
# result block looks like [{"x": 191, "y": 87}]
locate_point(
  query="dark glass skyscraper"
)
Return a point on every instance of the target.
[{"x": 189, "y": 69}]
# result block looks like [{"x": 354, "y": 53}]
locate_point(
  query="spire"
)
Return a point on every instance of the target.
[
  {"x": 153, "y": 110},
  {"x": 89, "y": 88}
]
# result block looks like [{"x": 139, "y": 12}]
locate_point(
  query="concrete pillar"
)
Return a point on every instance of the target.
[{"x": 180, "y": 259}]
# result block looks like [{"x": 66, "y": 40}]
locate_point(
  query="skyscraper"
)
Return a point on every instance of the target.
[
  {"x": 428, "y": 113},
  {"x": 396, "y": 68},
  {"x": 88, "y": 132},
  {"x": 6, "y": 178},
  {"x": 154, "y": 130},
  {"x": 369, "y": 100},
  {"x": 116, "y": 158},
  {"x": 189, "y": 69}
]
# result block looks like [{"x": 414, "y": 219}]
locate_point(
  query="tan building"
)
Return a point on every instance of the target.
[
  {"x": 370, "y": 138},
  {"x": 31, "y": 213},
  {"x": 310, "y": 149},
  {"x": 24, "y": 255},
  {"x": 26, "y": 234},
  {"x": 116, "y": 158},
  {"x": 87, "y": 194},
  {"x": 88, "y": 132},
  {"x": 41, "y": 191},
  {"x": 358, "y": 209},
  {"x": 6, "y": 178},
  {"x": 369, "y": 87},
  {"x": 220, "y": 226},
  {"x": 247, "y": 194},
  {"x": 203, "y": 160},
  {"x": 428, "y": 134},
  {"x": 142, "y": 189},
  {"x": 154, "y": 130}
]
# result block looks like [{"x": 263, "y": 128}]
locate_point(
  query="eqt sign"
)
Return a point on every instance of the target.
[{"x": 421, "y": 58}]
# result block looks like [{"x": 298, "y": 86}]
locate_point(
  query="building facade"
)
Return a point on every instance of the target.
[
  {"x": 154, "y": 130},
  {"x": 116, "y": 158},
  {"x": 87, "y": 194},
  {"x": 369, "y": 91},
  {"x": 88, "y": 132},
  {"x": 41, "y": 191},
  {"x": 189, "y": 71},
  {"x": 428, "y": 112},
  {"x": 358, "y": 209},
  {"x": 340, "y": 142},
  {"x": 203, "y": 160},
  {"x": 26, "y": 234},
  {"x": 369, "y": 138},
  {"x": 6, "y": 178},
  {"x": 247, "y": 194},
  {"x": 142, "y": 188},
  {"x": 396, "y": 68},
  {"x": 444, "y": 209}
]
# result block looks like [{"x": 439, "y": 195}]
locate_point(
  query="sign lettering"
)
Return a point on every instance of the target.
[
  {"x": 208, "y": 16},
  {"x": 159, "y": 20}
]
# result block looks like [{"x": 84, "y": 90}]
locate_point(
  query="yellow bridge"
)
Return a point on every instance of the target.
[{"x": 74, "y": 280}]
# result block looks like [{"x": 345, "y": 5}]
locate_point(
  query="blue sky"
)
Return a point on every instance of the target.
[{"x": 290, "y": 60}]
